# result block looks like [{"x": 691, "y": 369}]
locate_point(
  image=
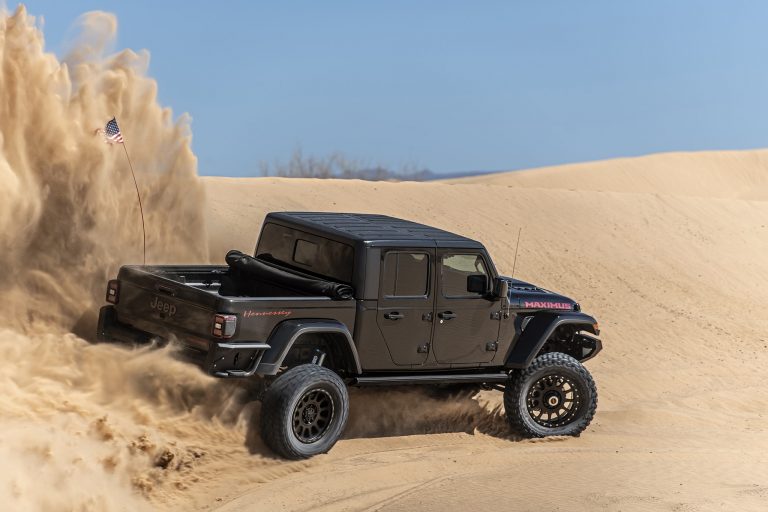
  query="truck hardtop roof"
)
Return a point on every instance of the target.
[{"x": 373, "y": 230}]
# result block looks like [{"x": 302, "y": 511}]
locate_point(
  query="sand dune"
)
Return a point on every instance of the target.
[
  {"x": 678, "y": 283},
  {"x": 721, "y": 174}
]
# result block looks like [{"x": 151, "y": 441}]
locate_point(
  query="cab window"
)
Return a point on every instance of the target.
[
  {"x": 406, "y": 274},
  {"x": 456, "y": 268},
  {"x": 307, "y": 252}
]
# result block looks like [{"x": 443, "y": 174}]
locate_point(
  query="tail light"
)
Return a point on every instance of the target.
[
  {"x": 224, "y": 325},
  {"x": 113, "y": 291}
]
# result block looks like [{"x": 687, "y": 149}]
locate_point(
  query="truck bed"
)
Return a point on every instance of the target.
[{"x": 181, "y": 301}]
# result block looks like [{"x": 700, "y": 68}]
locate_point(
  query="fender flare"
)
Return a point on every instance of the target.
[
  {"x": 537, "y": 332},
  {"x": 286, "y": 333}
]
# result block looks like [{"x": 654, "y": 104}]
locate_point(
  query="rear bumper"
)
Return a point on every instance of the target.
[{"x": 223, "y": 358}]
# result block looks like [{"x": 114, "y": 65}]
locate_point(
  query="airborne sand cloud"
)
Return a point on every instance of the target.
[
  {"x": 68, "y": 216},
  {"x": 67, "y": 220}
]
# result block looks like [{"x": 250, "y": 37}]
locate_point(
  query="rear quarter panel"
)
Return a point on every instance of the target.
[{"x": 257, "y": 318}]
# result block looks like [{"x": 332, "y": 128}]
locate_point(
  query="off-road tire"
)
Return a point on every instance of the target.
[
  {"x": 295, "y": 419},
  {"x": 548, "y": 373}
]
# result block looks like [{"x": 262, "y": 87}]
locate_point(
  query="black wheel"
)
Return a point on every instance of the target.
[
  {"x": 304, "y": 411},
  {"x": 554, "y": 396}
]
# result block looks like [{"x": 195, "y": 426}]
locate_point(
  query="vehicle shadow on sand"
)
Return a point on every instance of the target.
[
  {"x": 406, "y": 411},
  {"x": 425, "y": 410}
]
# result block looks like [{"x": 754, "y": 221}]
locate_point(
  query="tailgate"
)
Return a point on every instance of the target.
[{"x": 162, "y": 306}]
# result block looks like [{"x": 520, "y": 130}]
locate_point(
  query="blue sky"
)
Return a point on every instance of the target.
[{"x": 450, "y": 86}]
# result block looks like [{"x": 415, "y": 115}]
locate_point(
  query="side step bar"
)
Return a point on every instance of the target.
[{"x": 449, "y": 378}]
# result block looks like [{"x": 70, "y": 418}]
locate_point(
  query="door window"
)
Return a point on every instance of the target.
[
  {"x": 406, "y": 274},
  {"x": 455, "y": 270}
]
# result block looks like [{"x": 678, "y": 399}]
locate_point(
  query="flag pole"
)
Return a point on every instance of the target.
[{"x": 138, "y": 196}]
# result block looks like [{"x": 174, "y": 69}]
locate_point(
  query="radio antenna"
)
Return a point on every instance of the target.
[{"x": 517, "y": 246}]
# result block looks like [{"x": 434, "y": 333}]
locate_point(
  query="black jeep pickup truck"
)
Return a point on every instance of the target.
[{"x": 331, "y": 300}]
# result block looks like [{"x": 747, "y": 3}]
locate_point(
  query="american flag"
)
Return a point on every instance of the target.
[{"x": 112, "y": 132}]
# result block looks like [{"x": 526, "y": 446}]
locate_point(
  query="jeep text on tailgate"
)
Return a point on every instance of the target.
[
  {"x": 166, "y": 309},
  {"x": 331, "y": 300}
]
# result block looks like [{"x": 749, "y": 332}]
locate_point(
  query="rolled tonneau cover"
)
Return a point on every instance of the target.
[{"x": 247, "y": 273}]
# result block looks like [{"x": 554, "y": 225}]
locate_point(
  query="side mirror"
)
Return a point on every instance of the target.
[
  {"x": 477, "y": 283},
  {"x": 501, "y": 288}
]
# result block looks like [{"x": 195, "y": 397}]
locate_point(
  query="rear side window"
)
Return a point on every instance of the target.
[
  {"x": 406, "y": 274},
  {"x": 307, "y": 252}
]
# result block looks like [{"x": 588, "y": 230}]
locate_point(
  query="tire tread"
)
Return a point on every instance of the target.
[
  {"x": 277, "y": 399},
  {"x": 516, "y": 385}
]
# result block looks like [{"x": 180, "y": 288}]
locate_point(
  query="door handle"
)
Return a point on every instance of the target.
[
  {"x": 446, "y": 315},
  {"x": 394, "y": 315}
]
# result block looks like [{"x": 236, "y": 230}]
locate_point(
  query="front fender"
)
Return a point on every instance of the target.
[
  {"x": 537, "y": 332},
  {"x": 286, "y": 333}
]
